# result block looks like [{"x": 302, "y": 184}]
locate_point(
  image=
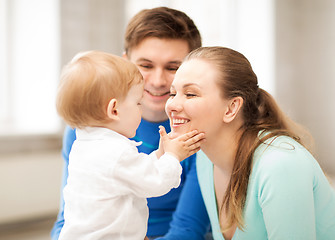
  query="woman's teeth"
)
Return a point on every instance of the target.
[{"x": 180, "y": 121}]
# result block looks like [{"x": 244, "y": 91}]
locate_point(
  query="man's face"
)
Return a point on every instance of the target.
[{"x": 158, "y": 60}]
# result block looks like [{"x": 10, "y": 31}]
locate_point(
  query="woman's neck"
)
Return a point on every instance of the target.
[{"x": 221, "y": 149}]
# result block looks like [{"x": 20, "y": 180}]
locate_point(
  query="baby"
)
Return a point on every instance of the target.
[{"x": 109, "y": 180}]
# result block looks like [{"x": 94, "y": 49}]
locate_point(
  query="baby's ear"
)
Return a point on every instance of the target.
[{"x": 112, "y": 112}]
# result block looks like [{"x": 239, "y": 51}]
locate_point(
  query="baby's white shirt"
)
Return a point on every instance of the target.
[{"x": 108, "y": 183}]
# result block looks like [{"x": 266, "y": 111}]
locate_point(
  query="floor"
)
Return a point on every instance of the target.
[{"x": 36, "y": 230}]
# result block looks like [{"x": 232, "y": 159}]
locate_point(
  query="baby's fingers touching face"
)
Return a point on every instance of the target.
[{"x": 183, "y": 145}]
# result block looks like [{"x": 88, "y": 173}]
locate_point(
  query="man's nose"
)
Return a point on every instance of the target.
[{"x": 159, "y": 78}]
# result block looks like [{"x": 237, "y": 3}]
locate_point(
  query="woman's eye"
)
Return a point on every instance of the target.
[
  {"x": 172, "y": 68},
  {"x": 172, "y": 94},
  {"x": 190, "y": 95}
]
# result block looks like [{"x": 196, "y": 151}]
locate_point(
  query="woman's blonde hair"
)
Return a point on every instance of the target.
[
  {"x": 260, "y": 112},
  {"x": 89, "y": 82}
]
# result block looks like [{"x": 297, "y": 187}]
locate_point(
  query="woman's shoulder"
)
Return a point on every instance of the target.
[{"x": 281, "y": 155}]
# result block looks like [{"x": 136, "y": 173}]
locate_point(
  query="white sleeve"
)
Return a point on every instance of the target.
[{"x": 145, "y": 175}]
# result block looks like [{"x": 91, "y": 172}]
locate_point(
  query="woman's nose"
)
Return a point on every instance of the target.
[{"x": 174, "y": 104}]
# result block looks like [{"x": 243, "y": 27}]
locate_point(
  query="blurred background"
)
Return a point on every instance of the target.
[{"x": 290, "y": 44}]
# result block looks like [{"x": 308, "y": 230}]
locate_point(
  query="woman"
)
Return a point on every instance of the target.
[{"x": 261, "y": 182}]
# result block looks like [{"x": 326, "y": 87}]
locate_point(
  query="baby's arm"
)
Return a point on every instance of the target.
[{"x": 180, "y": 147}]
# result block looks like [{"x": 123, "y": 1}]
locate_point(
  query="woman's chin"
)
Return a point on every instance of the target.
[
  {"x": 178, "y": 132},
  {"x": 174, "y": 134}
]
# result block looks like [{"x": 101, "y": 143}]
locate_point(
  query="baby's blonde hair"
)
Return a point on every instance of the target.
[{"x": 89, "y": 82}]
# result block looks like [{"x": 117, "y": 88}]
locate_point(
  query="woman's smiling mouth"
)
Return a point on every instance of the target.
[{"x": 179, "y": 121}]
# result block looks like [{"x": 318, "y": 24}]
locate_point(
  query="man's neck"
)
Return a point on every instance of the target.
[{"x": 155, "y": 117}]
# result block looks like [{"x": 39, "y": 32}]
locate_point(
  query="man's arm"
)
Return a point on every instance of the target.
[
  {"x": 68, "y": 139},
  {"x": 190, "y": 220}
]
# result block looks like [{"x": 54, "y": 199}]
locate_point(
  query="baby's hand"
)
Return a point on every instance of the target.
[{"x": 183, "y": 146}]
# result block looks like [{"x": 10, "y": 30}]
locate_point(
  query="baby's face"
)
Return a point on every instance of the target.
[{"x": 130, "y": 111}]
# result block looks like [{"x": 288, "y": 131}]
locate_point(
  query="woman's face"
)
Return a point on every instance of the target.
[{"x": 195, "y": 101}]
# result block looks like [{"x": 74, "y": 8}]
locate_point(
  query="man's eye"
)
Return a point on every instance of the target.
[{"x": 145, "y": 66}]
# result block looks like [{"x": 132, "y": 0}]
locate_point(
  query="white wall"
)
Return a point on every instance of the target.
[
  {"x": 305, "y": 69},
  {"x": 91, "y": 25},
  {"x": 30, "y": 184}
]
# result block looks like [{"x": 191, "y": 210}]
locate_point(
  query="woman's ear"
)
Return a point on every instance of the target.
[
  {"x": 112, "y": 112},
  {"x": 233, "y": 107}
]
